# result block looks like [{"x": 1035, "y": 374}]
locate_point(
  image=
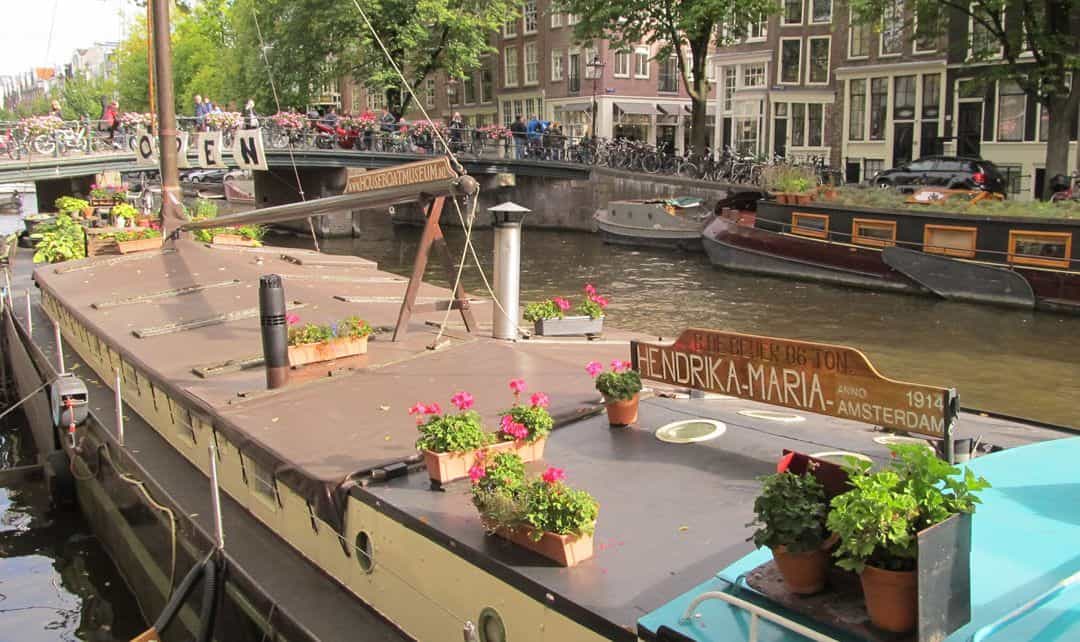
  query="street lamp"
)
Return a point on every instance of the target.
[{"x": 596, "y": 65}]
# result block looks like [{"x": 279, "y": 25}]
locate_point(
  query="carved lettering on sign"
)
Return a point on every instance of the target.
[
  {"x": 815, "y": 377},
  {"x": 411, "y": 174}
]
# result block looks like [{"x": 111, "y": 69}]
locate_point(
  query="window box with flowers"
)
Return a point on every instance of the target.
[
  {"x": 452, "y": 443},
  {"x": 621, "y": 388},
  {"x": 527, "y": 427},
  {"x": 312, "y": 343},
  {"x": 136, "y": 240},
  {"x": 542, "y": 514},
  {"x": 550, "y": 318}
]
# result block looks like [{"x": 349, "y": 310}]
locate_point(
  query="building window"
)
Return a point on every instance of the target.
[
  {"x": 1050, "y": 249},
  {"x": 1012, "y": 175},
  {"x": 798, "y": 124},
  {"x": 622, "y": 64},
  {"x": 984, "y": 44},
  {"x": 754, "y": 75},
  {"x": 931, "y": 96},
  {"x": 927, "y": 27},
  {"x": 746, "y": 135},
  {"x": 1012, "y": 104},
  {"x": 815, "y": 124},
  {"x": 529, "y": 16},
  {"x": 469, "y": 88},
  {"x": 556, "y": 66},
  {"x": 429, "y": 93},
  {"x": 816, "y": 225},
  {"x": 452, "y": 91},
  {"x": 590, "y": 55},
  {"x": 879, "y": 93},
  {"x": 556, "y": 19},
  {"x": 793, "y": 12},
  {"x": 532, "y": 64},
  {"x": 950, "y": 240},
  {"x": 486, "y": 85},
  {"x": 729, "y": 88},
  {"x": 872, "y": 167},
  {"x": 510, "y": 76},
  {"x": 572, "y": 19},
  {"x": 759, "y": 30},
  {"x": 641, "y": 62},
  {"x": 858, "y": 39},
  {"x": 820, "y": 11},
  {"x": 818, "y": 68},
  {"x": 790, "y": 60},
  {"x": 508, "y": 113},
  {"x": 669, "y": 75},
  {"x": 873, "y": 232},
  {"x": 892, "y": 29},
  {"x": 904, "y": 98},
  {"x": 573, "y": 71},
  {"x": 510, "y": 28},
  {"x": 857, "y": 109}
]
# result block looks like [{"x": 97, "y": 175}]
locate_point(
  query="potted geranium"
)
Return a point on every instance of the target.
[
  {"x": 73, "y": 206},
  {"x": 527, "y": 427},
  {"x": 542, "y": 514},
  {"x": 123, "y": 215},
  {"x": 550, "y": 318},
  {"x": 312, "y": 342},
  {"x": 451, "y": 443},
  {"x": 790, "y": 184},
  {"x": 790, "y": 514},
  {"x": 880, "y": 519},
  {"x": 136, "y": 240},
  {"x": 621, "y": 387}
]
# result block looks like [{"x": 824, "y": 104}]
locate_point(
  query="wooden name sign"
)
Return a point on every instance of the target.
[
  {"x": 429, "y": 171},
  {"x": 813, "y": 377}
]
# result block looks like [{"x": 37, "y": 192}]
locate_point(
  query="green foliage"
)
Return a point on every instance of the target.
[
  {"x": 879, "y": 519},
  {"x": 84, "y": 97},
  {"x": 449, "y": 433},
  {"x": 204, "y": 209},
  {"x": 352, "y": 327},
  {"x": 542, "y": 310},
  {"x": 252, "y": 232},
  {"x": 499, "y": 494},
  {"x": 136, "y": 234},
  {"x": 619, "y": 386},
  {"x": 536, "y": 418},
  {"x": 873, "y": 197},
  {"x": 63, "y": 240},
  {"x": 70, "y": 205},
  {"x": 589, "y": 308},
  {"x": 790, "y": 511},
  {"x": 560, "y": 509},
  {"x": 127, "y": 211},
  {"x": 789, "y": 178}
]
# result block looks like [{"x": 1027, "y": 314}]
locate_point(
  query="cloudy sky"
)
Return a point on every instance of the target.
[{"x": 78, "y": 23}]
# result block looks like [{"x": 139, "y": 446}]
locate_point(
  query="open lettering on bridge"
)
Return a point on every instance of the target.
[
  {"x": 430, "y": 171},
  {"x": 814, "y": 377}
]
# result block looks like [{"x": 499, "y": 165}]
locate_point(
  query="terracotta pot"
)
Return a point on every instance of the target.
[
  {"x": 143, "y": 222},
  {"x": 446, "y": 467},
  {"x": 782, "y": 198},
  {"x": 804, "y": 573},
  {"x": 88, "y": 212},
  {"x": 530, "y": 451},
  {"x": 622, "y": 413},
  {"x": 892, "y": 598},
  {"x": 326, "y": 351},
  {"x": 564, "y": 550},
  {"x": 801, "y": 198}
]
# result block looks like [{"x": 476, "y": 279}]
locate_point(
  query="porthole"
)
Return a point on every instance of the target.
[
  {"x": 364, "y": 551},
  {"x": 491, "y": 626},
  {"x": 690, "y": 431},
  {"x": 839, "y": 457}
]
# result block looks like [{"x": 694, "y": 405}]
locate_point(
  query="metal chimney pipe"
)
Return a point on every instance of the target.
[
  {"x": 507, "y": 219},
  {"x": 275, "y": 330}
]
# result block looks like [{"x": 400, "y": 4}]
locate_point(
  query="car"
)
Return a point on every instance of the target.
[
  {"x": 205, "y": 176},
  {"x": 951, "y": 172}
]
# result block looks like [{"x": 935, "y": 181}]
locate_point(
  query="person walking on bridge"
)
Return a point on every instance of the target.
[
  {"x": 517, "y": 129},
  {"x": 251, "y": 119},
  {"x": 112, "y": 122}
]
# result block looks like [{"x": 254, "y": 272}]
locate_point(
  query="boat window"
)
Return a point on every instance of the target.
[
  {"x": 1051, "y": 249},
  {"x": 950, "y": 239},
  {"x": 263, "y": 483},
  {"x": 491, "y": 626},
  {"x": 816, "y": 225},
  {"x": 873, "y": 232},
  {"x": 364, "y": 552}
]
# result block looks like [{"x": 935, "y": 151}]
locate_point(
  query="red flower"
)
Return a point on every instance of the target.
[
  {"x": 619, "y": 365},
  {"x": 477, "y": 472},
  {"x": 590, "y": 290},
  {"x": 553, "y": 475},
  {"x": 517, "y": 386},
  {"x": 593, "y": 368},
  {"x": 539, "y": 400},
  {"x": 433, "y": 409},
  {"x": 562, "y": 303},
  {"x": 462, "y": 400},
  {"x": 292, "y": 319},
  {"x": 509, "y": 427}
]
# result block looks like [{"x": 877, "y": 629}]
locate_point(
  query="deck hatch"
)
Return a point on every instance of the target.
[
  {"x": 194, "y": 324},
  {"x": 690, "y": 431},
  {"x": 161, "y": 294}
]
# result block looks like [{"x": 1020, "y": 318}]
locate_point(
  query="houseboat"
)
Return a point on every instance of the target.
[
  {"x": 1025, "y": 262},
  {"x": 674, "y": 223}
]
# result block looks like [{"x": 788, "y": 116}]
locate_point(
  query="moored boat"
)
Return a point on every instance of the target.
[{"x": 669, "y": 223}]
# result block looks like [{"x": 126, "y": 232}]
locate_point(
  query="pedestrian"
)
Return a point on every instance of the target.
[
  {"x": 251, "y": 120},
  {"x": 331, "y": 117},
  {"x": 54, "y": 109},
  {"x": 457, "y": 128},
  {"x": 112, "y": 122},
  {"x": 387, "y": 121},
  {"x": 200, "y": 112},
  {"x": 517, "y": 130}
]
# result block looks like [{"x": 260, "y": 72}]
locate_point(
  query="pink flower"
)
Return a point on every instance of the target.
[
  {"x": 508, "y": 426},
  {"x": 517, "y": 386},
  {"x": 594, "y": 368},
  {"x": 563, "y": 304},
  {"x": 477, "y": 472},
  {"x": 600, "y": 300},
  {"x": 553, "y": 475},
  {"x": 618, "y": 365},
  {"x": 292, "y": 319},
  {"x": 539, "y": 400},
  {"x": 433, "y": 409},
  {"x": 462, "y": 400},
  {"x": 590, "y": 290},
  {"x": 419, "y": 410}
]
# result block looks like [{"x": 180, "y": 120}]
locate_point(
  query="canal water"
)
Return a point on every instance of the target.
[{"x": 1024, "y": 364}]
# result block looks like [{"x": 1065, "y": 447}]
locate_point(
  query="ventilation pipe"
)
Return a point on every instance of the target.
[
  {"x": 507, "y": 218},
  {"x": 275, "y": 330}
]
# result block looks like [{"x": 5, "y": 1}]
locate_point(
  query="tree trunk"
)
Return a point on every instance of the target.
[
  {"x": 1057, "y": 146},
  {"x": 698, "y": 140}
]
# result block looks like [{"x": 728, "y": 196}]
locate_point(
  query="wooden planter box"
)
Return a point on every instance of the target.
[
  {"x": 564, "y": 550},
  {"x": 326, "y": 351},
  {"x": 794, "y": 198},
  {"x": 446, "y": 467},
  {"x": 127, "y": 247},
  {"x": 568, "y": 326},
  {"x": 234, "y": 239},
  {"x": 530, "y": 452}
]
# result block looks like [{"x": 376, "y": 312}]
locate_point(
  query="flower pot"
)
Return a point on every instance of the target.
[
  {"x": 892, "y": 598},
  {"x": 88, "y": 211},
  {"x": 143, "y": 222},
  {"x": 446, "y": 467},
  {"x": 530, "y": 451},
  {"x": 782, "y": 198},
  {"x": 234, "y": 239},
  {"x": 804, "y": 573},
  {"x": 326, "y": 351},
  {"x": 801, "y": 198},
  {"x": 568, "y": 326},
  {"x": 622, "y": 413},
  {"x": 139, "y": 245},
  {"x": 564, "y": 550}
]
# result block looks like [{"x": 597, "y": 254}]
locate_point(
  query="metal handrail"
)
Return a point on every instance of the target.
[
  {"x": 755, "y": 612},
  {"x": 1017, "y": 613}
]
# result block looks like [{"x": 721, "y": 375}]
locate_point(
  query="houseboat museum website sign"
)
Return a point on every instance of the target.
[
  {"x": 411, "y": 174},
  {"x": 814, "y": 377}
]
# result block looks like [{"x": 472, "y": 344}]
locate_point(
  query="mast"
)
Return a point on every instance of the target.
[{"x": 171, "y": 213}]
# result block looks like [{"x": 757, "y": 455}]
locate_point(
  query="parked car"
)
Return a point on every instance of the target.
[
  {"x": 950, "y": 172},
  {"x": 205, "y": 176}
]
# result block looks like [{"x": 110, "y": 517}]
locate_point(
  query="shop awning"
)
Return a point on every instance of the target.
[
  {"x": 646, "y": 109},
  {"x": 671, "y": 109},
  {"x": 575, "y": 107}
]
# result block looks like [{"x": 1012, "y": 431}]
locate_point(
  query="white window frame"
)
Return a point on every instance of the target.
[
  {"x": 971, "y": 41},
  {"x": 624, "y": 56},
  {"x": 851, "y": 38},
  {"x": 881, "y": 36},
  {"x": 533, "y": 78},
  {"x": 783, "y": 15},
  {"x": 525, "y": 17},
  {"x": 828, "y": 60},
  {"x": 509, "y": 29},
  {"x": 510, "y": 64},
  {"x": 557, "y": 65},
  {"x": 572, "y": 19},
  {"x": 429, "y": 93},
  {"x": 780, "y": 62},
  {"x": 1023, "y": 116},
  {"x": 727, "y": 102},
  {"x": 810, "y": 18},
  {"x": 741, "y": 76},
  {"x": 591, "y": 54},
  {"x": 556, "y": 19},
  {"x": 915, "y": 51},
  {"x": 642, "y": 51},
  {"x": 763, "y": 34}
]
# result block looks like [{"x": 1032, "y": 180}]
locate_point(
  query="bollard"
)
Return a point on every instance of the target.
[
  {"x": 275, "y": 330},
  {"x": 507, "y": 218}
]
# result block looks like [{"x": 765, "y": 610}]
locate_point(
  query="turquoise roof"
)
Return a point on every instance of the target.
[{"x": 1024, "y": 546}]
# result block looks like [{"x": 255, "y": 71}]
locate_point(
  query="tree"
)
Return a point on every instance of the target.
[
  {"x": 1034, "y": 43},
  {"x": 685, "y": 29},
  {"x": 315, "y": 42},
  {"x": 85, "y": 97}
]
